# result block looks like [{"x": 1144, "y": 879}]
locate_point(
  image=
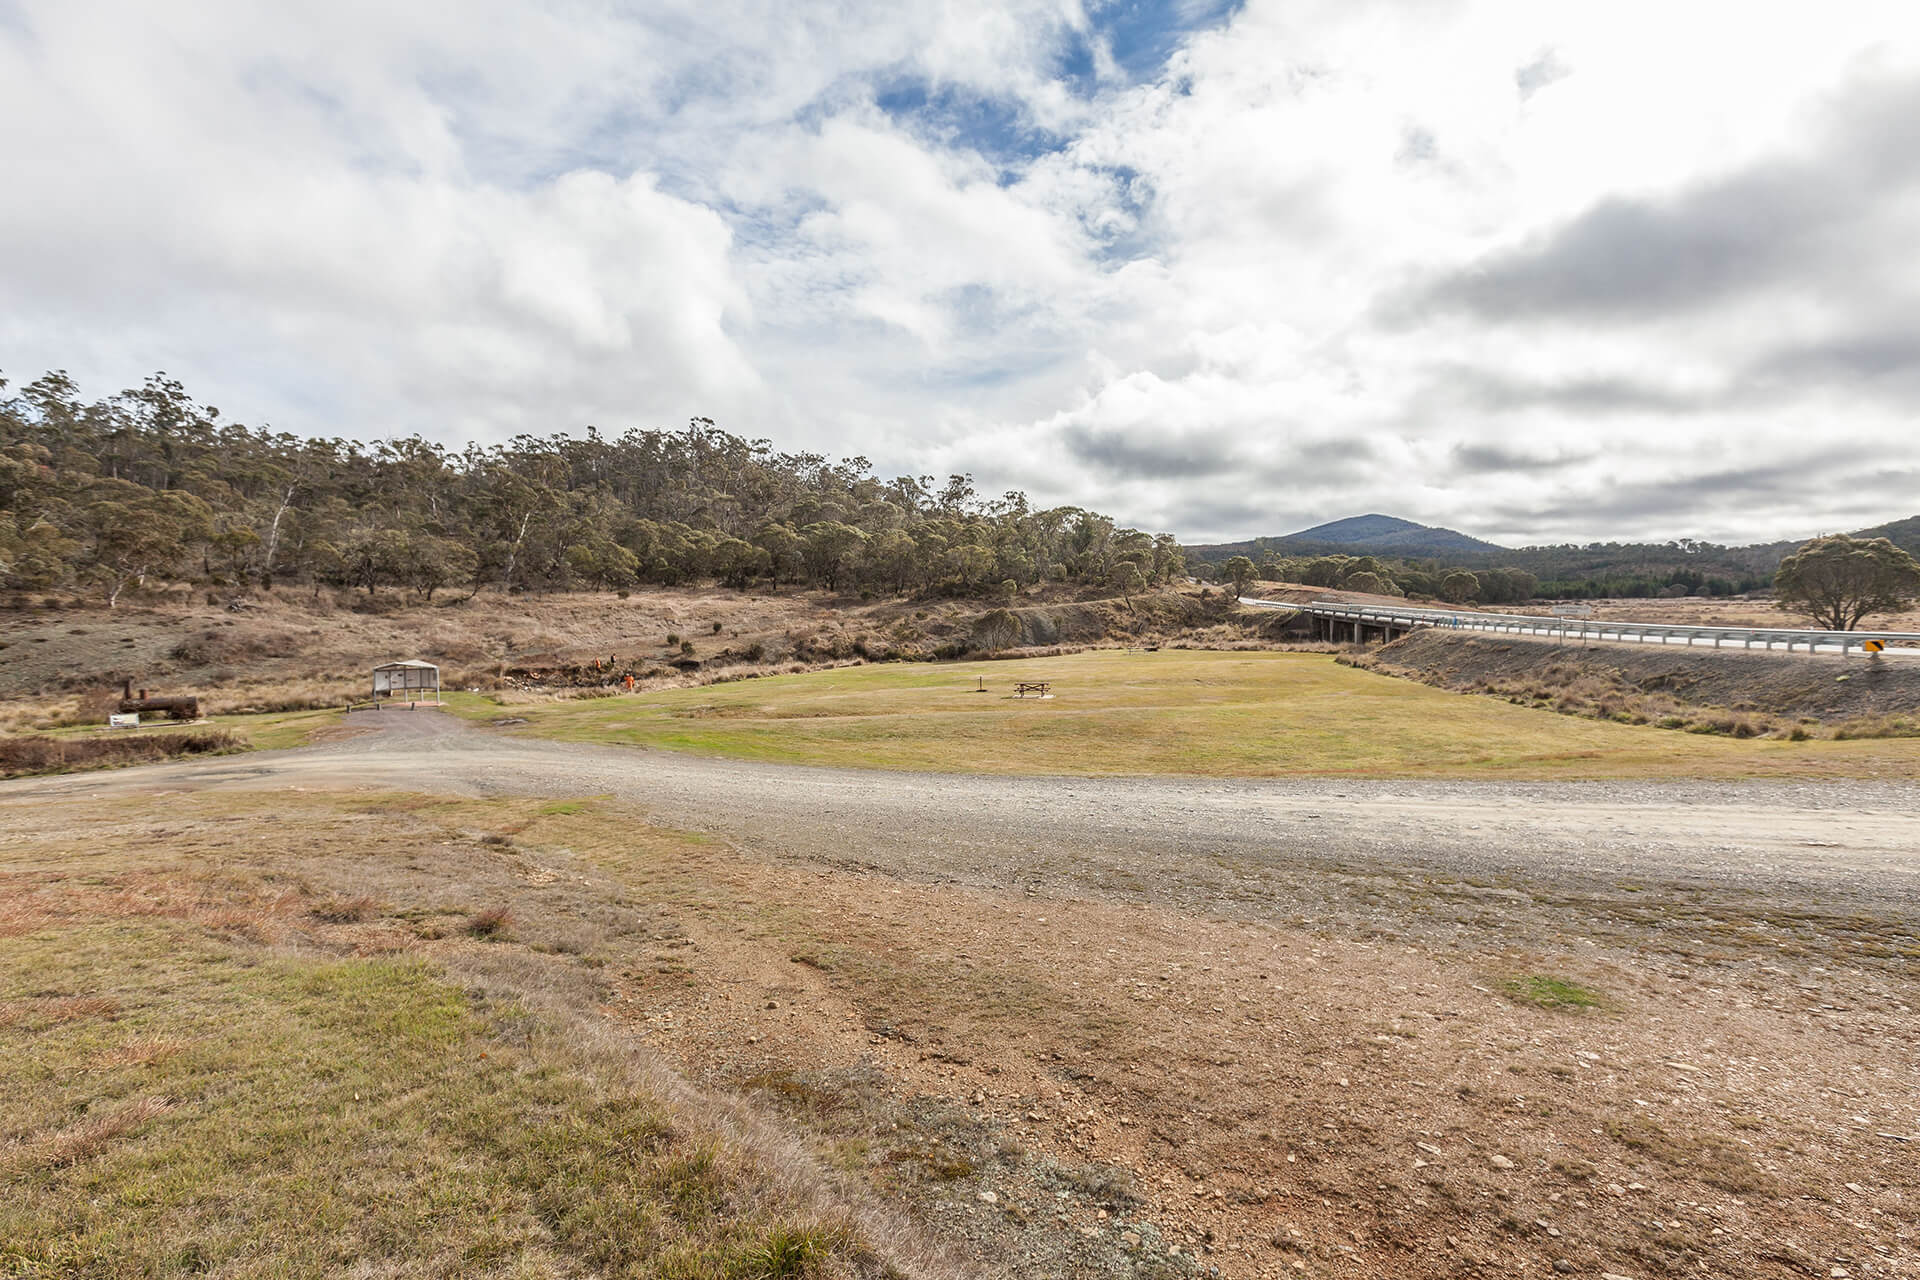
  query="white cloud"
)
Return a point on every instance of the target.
[{"x": 476, "y": 219}]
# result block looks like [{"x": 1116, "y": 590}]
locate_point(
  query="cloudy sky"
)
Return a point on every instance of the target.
[{"x": 1538, "y": 270}]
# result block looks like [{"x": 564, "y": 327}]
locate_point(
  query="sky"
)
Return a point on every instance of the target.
[{"x": 1540, "y": 270}]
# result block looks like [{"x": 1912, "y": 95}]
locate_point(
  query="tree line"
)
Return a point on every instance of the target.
[
  {"x": 1384, "y": 576},
  {"x": 149, "y": 487},
  {"x": 1835, "y": 581},
  {"x": 1684, "y": 567}
]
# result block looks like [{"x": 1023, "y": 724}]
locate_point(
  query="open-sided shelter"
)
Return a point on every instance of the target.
[{"x": 411, "y": 681}]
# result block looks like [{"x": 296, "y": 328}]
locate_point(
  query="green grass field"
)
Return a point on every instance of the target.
[{"x": 1246, "y": 714}]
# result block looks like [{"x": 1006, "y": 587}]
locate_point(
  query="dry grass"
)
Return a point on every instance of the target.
[
  {"x": 85, "y": 1139},
  {"x": 141, "y": 1051},
  {"x": 1236, "y": 714},
  {"x": 1716, "y": 1161},
  {"x": 345, "y": 910},
  {"x": 49, "y": 754},
  {"x": 38, "y": 1013}
]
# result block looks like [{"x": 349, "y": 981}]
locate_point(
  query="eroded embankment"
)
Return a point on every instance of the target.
[{"x": 1656, "y": 684}]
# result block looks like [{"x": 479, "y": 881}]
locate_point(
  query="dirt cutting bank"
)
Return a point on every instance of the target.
[
  {"x": 291, "y": 650},
  {"x": 1643, "y": 681}
]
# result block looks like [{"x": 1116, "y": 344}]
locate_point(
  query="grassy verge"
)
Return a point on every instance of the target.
[
  {"x": 187, "y": 1088},
  {"x": 64, "y": 750},
  {"x": 277, "y": 730},
  {"x": 1178, "y": 712}
]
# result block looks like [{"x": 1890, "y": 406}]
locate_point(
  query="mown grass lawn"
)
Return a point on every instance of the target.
[{"x": 1171, "y": 712}]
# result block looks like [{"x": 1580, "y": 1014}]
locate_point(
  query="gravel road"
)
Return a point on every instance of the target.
[{"x": 1365, "y": 854}]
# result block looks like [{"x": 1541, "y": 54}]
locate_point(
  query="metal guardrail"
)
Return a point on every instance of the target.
[{"x": 1569, "y": 628}]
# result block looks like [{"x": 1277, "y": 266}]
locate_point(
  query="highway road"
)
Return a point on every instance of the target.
[{"x": 1897, "y": 644}]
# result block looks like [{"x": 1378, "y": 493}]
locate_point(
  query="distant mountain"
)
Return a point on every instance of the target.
[
  {"x": 1358, "y": 535},
  {"x": 1901, "y": 533},
  {"x": 1378, "y": 533}
]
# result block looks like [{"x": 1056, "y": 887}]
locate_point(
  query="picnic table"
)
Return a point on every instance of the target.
[{"x": 1042, "y": 687}]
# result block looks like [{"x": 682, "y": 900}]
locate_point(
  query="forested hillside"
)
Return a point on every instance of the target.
[
  {"x": 149, "y": 487},
  {"x": 1596, "y": 570}
]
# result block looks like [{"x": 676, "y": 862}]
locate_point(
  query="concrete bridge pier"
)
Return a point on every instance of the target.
[{"x": 1363, "y": 632}]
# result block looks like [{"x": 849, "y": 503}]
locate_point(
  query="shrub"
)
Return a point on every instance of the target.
[
  {"x": 787, "y": 1254},
  {"x": 490, "y": 923},
  {"x": 996, "y": 629},
  {"x": 34, "y": 754}
]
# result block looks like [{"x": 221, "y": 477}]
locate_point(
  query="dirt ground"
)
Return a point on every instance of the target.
[{"x": 1155, "y": 1027}]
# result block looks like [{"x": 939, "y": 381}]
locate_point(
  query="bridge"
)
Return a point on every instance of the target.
[{"x": 1336, "y": 621}]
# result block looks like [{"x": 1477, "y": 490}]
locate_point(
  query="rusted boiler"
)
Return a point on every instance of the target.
[{"x": 180, "y": 706}]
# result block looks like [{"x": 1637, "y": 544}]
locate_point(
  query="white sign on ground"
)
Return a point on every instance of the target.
[{"x": 128, "y": 721}]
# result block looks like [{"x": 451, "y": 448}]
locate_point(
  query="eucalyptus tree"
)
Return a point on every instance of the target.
[{"x": 1837, "y": 581}]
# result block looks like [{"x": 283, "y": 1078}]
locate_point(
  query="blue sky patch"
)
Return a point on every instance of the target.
[
  {"x": 997, "y": 128},
  {"x": 1143, "y": 34}
]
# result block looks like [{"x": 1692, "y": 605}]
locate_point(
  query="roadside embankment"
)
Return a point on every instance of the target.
[
  {"x": 1728, "y": 691},
  {"x": 49, "y": 753}
]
